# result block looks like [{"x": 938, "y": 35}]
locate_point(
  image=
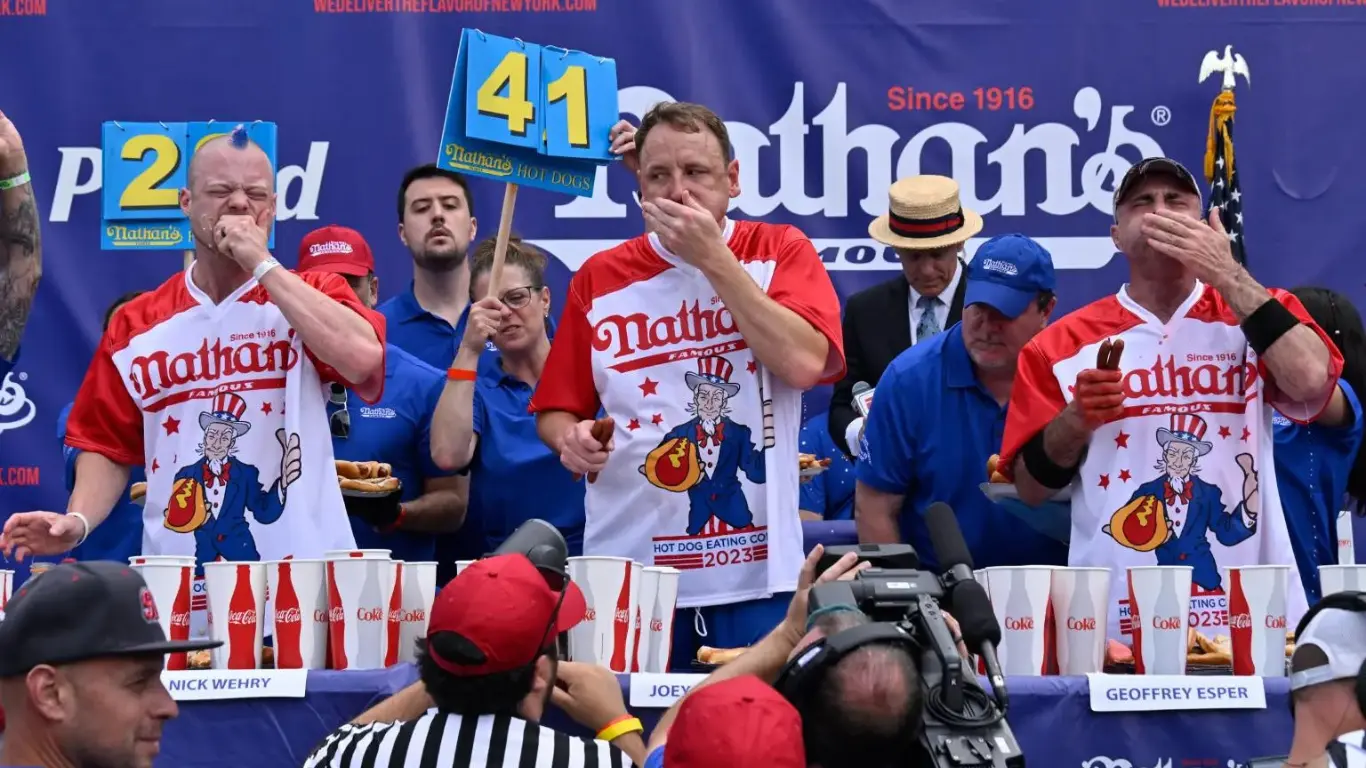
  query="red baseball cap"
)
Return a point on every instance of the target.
[
  {"x": 505, "y": 607},
  {"x": 736, "y": 723},
  {"x": 335, "y": 249}
]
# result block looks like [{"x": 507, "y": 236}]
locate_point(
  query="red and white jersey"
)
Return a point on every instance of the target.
[
  {"x": 704, "y": 474},
  {"x": 226, "y": 408},
  {"x": 1186, "y": 477}
]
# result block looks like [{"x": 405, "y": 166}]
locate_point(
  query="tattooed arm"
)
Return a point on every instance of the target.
[{"x": 21, "y": 252}]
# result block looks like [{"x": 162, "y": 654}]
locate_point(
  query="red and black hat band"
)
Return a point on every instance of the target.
[{"x": 925, "y": 228}]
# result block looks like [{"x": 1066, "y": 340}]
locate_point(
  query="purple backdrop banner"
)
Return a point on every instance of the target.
[{"x": 1034, "y": 108}]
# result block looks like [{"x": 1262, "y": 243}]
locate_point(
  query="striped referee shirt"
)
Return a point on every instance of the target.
[
  {"x": 446, "y": 740},
  {"x": 1347, "y": 751}
]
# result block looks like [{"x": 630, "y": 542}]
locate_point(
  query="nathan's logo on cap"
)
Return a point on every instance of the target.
[
  {"x": 1000, "y": 267},
  {"x": 334, "y": 246},
  {"x": 149, "y": 606}
]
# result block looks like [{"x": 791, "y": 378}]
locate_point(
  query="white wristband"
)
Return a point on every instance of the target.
[
  {"x": 263, "y": 268},
  {"x": 84, "y": 522}
]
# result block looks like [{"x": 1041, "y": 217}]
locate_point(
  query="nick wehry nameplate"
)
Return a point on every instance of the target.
[{"x": 213, "y": 684}]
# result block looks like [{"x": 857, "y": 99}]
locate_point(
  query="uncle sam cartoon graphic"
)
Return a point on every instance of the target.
[
  {"x": 210, "y": 498},
  {"x": 705, "y": 455},
  {"x": 1174, "y": 514}
]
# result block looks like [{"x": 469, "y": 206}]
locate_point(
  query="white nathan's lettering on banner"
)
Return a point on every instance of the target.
[
  {"x": 81, "y": 173},
  {"x": 1071, "y": 184}
]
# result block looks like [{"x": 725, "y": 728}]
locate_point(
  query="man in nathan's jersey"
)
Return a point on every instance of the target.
[
  {"x": 216, "y": 382},
  {"x": 1154, "y": 406},
  {"x": 698, "y": 340}
]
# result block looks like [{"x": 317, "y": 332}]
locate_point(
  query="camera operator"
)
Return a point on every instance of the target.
[{"x": 869, "y": 713}]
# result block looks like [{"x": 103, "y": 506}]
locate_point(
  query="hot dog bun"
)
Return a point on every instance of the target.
[
  {"x": 137, "y": 492},
  {"x": 708, "y": 655},
  {"x": 370, "y": 485},
  {"x": 361, "y": 470}
]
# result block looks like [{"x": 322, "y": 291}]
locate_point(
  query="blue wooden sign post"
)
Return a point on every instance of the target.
[
  {"x": 145, "y": 165},
  {"x": 527, "y": 114}
]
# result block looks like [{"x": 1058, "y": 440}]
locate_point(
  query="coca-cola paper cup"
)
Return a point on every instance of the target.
[
  {"x": 461, "y": 565},
  {"x": 418, "y": 592},
  {"x": 6, "y": 589},
  {"x": 1256, "y": 618},
  {"x": 237, "y": 604},
  {"x": 299, "y": 592},
  {"x": 645, "y": 606},
  {"x": 1347, "y": 548},
  {"x": 1159, "y": 604},
  {"x": 609, "y": 588},
  {"x": 1019, "y": 598},
  {"x": 359, "y": 593},
  {"x": 171, "y": 581},
  {"x": 1080, "y": 598},
  {"x": 660, "y": 638},
  {"x": 1342, "y": 578},
  {"x": 357, "y": 554}
]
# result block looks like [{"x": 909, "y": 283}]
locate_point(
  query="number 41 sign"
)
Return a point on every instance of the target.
[{"x": 529, "y": 114}]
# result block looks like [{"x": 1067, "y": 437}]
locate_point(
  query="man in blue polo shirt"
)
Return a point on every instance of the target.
[
  {"x": 940, "y": 412},
  {"x": 395, "y": 430}
]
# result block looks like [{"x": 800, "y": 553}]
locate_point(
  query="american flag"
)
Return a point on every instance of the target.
[{"x": 1222, "y": 173}]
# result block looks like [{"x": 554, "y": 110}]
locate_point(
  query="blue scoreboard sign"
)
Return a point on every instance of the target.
[
  {"x": 527, "y": 114},
  {"x": 145, "y": 165}
]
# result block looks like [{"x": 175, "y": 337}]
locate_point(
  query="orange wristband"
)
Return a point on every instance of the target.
[{"x": 460, "y": 374}]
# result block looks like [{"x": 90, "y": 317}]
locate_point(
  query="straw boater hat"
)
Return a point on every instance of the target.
[{"x": 925, "y": 213}]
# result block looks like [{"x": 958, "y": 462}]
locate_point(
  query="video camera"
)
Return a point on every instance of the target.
[{"x": 963, "y": 726}]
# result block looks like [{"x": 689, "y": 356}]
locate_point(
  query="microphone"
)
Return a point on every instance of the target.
[
  {"x": 968, "y": 601},
  {"x": 863, "y": 398}
]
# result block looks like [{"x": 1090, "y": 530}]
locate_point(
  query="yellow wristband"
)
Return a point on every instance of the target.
[{"x": 619, "y": 728}]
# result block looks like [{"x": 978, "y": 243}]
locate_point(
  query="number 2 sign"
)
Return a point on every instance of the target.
[
  {"x": 145, "y": 165},
  {"x": 529, "y": 114}
]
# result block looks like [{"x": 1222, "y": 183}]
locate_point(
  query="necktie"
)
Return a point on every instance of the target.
[{"x": 929, "y": 322}]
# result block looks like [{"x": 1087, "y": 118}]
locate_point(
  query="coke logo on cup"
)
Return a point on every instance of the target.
[
  {"x": 623, "y": 616},
  {"x": 656, "y": 625},
  {"x": 395, "y": 615},
  {"x": 414, "y": 615},
  {"x": 335, "y": 614},
  {"x": 288, "y": 616},
  {"x": 1241, "y": 621},
  {"x": 1275, "y": 622},
  {"x": 590, "y": 614},
  {"x": 369, "y": 614},
  {"x": 320, "y": 616},
  {"x": 180, "y": 619},
  {"x": 242, "y": 617},
  {"x": 1087, "y": 624},
  {"x": 1167, "y": 622},
  {"x": 1024, "y": 623}
]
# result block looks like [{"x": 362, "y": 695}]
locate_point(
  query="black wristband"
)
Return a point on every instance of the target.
[
  {"x": 1268, "y": 323},
  {"x": 1043, "y": 469}
]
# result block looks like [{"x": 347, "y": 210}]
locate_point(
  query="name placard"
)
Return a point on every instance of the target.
[
  {"x": 660, "y": 691},
  {"x": 1150, "y": 693},
  {"x": 213, "y": 684}
]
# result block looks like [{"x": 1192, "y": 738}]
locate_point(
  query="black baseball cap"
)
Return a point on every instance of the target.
[
  {"x": 80, "y": 611},
  {"x": 1162, "y": 166}
]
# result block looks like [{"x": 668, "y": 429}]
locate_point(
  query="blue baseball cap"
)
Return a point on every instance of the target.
[{"x": 1007, "y": 273}]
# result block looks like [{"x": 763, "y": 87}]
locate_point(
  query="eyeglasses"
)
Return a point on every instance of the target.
[
  {"x": 516, "y": 298},
  {"x": 340, "y": 420}
]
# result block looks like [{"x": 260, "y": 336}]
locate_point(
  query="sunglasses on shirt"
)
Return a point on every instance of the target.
[{"x": 340, "y": 420}]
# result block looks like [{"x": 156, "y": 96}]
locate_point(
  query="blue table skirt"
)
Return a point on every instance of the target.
[{"x": 1050, "y": 716}]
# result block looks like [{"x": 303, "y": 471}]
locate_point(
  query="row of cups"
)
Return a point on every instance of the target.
[{"x": 1053, "y": 620}]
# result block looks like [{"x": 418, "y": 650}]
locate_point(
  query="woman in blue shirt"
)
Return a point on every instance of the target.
[
  {"x": 513, "y": 475},
  {"x": 1320, "y": 468}
]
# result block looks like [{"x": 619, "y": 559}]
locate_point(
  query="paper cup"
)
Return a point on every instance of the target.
[
  {"x": 359, "y": 554},
  {"x": 1080, "y": 600},
  {"x": 645, "y": 606},
  {"x": 299, "y": 592},
  {"x": 359, "y": 592},
  {"x": 417, "y": 587},
  {"x": 6, "y": 589},
  {"x": 461, "y": 565},
  {"x": 662, "y": 608},
  {"x": 1019, "y": 598},
  {"x": 1256, "y": 619},
  {"x": 1347, "y": 548},
  {"x": 237, "y": 604},
  {"x": 1342, "y": 578},
  {"x": 171, "y": 582},
  {"x": 608, "y": 586},
  {"x": 1159, "y": 607}
]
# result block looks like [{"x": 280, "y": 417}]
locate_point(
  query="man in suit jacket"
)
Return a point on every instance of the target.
[{"x": 927, "y": 225}]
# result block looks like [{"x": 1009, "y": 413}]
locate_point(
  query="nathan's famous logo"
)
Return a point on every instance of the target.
[
  {"x": 639, "y": 332},
  {"x": 490, "y": 162},
  {"x": 814, "y": 181},
  {"x": 152, "y": 373}
]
